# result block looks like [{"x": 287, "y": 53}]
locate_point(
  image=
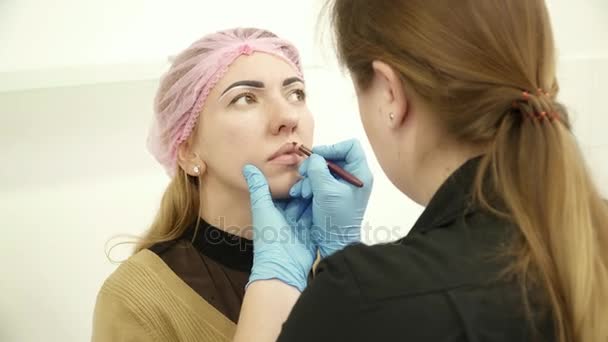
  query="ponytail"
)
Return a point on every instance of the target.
[{"x": 536, "y": 166}]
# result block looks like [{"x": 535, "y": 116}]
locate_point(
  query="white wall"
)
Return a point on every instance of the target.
[{"x": 76, "y": 83}]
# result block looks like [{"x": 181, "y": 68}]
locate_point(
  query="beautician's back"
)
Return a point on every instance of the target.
[
  {"x": 484, "y": 72},
  {"x": 440, "y": 283}
]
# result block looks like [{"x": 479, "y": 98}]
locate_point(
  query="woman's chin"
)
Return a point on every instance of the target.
[{"x": 280, "y": 184}]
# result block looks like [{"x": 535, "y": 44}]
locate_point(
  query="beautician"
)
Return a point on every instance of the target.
[{"x": 458, "y": 100}]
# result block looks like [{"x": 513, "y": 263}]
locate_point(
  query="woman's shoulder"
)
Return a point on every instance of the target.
[
  {"x": 139, "y": 272},
  {"x": 139, "y": 264},
  {"x": 122, "y": 300},
  {"x": 145, "y": 297}
]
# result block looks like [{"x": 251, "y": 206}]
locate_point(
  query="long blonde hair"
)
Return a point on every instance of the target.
[
  {"x": 471, "y": 60},
  {"x": 179, "y": 208}
]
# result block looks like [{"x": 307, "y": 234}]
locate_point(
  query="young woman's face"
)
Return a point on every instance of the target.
[{"x": 257, "y": 108}]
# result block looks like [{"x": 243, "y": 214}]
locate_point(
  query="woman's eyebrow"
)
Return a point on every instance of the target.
[
  {"x": 292, "y": 80},
  {"x": 258, "y": 84},
  {"x": 249, "y": 83}
]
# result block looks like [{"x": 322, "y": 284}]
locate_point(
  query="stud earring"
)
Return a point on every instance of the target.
[
  {"x": 391, "y": 116},
  {"x": 197, "y": 170}
]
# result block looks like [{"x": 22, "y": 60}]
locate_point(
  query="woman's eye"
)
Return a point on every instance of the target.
[
  {"x": 244, "y": 99},
  {"x": 297, "y": 96}
]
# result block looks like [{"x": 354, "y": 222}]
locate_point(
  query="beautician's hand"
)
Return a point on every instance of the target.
[
  {"x": 282, "y": 246},
  {"x": 337, "y": 207}
]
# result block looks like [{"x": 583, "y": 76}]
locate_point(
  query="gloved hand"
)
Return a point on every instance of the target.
[
  {"x": 337, "y": 206},
  {"x": 282, "y": 246}
]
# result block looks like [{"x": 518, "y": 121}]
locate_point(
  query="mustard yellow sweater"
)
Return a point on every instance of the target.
[{"x": 144, "y": 300}]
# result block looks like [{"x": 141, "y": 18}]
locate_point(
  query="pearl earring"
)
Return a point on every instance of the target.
[
  {"x": 391, "y": 116},
  {"x": 197, "y": 170}
]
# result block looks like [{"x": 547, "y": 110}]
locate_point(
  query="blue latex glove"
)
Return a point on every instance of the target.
[
  {"x": 337, "y": 207},
  {"x": 282, "y": 246}
]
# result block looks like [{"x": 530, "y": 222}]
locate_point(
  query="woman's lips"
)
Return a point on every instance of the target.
[
  {"x": 286, "y": 159},
  {"x": 287, "y": 154}
]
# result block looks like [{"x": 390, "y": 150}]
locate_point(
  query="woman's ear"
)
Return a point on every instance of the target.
[
  {"x": 190, "y": 161},
  {"x": 395, "y": 103}
]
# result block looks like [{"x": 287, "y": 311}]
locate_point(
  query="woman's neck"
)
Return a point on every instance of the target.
[
  {"x": 226, "y": 208},
  {"x": 436, "y": 167}
]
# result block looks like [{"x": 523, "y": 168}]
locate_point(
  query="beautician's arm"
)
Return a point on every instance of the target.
[
  {"x": 283, "y": 256},
  {"x": 266, "y": 305},
  {"x": 268, "y": 301}
]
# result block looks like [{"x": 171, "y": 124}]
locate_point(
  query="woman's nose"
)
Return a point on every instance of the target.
[{"x": 284, "y": 121}]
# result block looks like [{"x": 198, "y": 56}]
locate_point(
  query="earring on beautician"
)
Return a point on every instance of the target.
[
  {"x": 391, "y": 116},
  {"x": 197, "y": 170}
]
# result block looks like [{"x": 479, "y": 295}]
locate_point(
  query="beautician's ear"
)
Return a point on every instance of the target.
[
  {"x": 190, "y": 161},
  {"x": 395, "y": 99}
]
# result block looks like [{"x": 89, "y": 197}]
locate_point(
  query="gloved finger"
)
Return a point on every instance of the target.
[
  {"x": 350, "y": 156},
  {"x": 349, "y": 151},
  {"x": 340, "y": 163},
  {"x": 303, "y": 168},
  {"x": 305, "y": 220},
  {"x": 296, "y": 207},
  {"x": 281, "y": 204},
  {"x": 259, "y": 192},
  {"x": 296, "y": 189},
  {"x": 302, "y": 229},
  {"x": 319, "y": 175},
  {"x": 306, "y": 188}
]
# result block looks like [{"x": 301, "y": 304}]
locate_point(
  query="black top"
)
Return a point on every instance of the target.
[
  {"x": 214, "y": 263},
  {"x": 439, "y": 283}
]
